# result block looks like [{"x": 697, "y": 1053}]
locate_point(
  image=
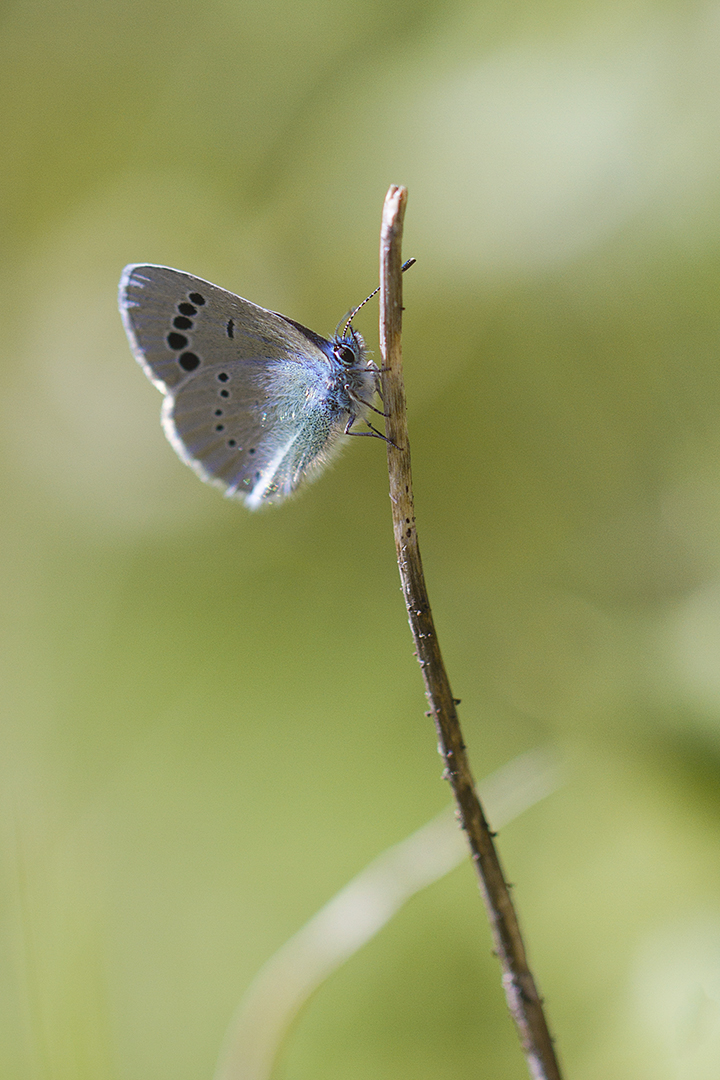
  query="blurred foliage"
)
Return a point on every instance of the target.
[{"x": 213, "y": 719}]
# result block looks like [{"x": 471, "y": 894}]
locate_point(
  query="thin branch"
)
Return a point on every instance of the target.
[{"x": 520, "y": 990}]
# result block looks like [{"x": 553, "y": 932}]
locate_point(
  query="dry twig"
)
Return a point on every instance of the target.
[{"x": 520, "y": 990}]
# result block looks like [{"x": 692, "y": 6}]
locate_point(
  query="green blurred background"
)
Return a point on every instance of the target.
[{"x": 213, "y": 719}]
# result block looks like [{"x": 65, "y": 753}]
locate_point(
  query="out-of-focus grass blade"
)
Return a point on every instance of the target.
[{"x": 361, "y": 909}]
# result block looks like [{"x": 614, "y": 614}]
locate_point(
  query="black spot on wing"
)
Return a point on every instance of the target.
[{"x": 187, "y": 360}]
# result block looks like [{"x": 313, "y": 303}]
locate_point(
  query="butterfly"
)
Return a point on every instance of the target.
[{"x": 255, "y": 402}]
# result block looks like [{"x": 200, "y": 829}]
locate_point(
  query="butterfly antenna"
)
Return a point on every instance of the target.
[{"x": 405, "y": 266}]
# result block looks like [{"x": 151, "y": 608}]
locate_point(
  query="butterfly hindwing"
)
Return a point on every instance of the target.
[{"x": 234, "y": 426}]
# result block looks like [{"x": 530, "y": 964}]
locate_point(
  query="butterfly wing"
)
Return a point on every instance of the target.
[
  {"x": 239, "y": 381},
  {"x": 245, "y": 429}
]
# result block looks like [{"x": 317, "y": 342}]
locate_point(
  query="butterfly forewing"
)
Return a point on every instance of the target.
[{"x": 178, "y": 323}]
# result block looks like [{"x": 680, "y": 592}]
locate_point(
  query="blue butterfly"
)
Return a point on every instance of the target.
[{"x": 255, "y": 402}]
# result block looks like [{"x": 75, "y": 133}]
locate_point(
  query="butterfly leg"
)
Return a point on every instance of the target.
[
  {"x": 364, "y": 404},
  {"x": 373, "y": 433}
]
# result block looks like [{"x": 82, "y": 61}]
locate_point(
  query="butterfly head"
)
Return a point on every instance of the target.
[{"x": 348, "y": 345}]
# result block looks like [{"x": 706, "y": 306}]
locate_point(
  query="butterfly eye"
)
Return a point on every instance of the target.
[{"x": 345, "y": 354}]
